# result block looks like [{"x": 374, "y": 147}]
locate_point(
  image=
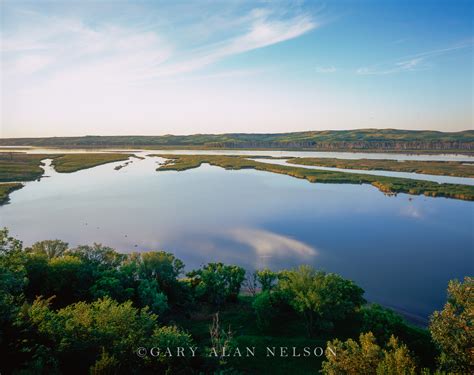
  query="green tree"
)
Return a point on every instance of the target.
[
  {"x": 105, "y": 365},
  {"x": 265, "y": 310},
  {"x": 217, "y": 282},
  {"x": 110, "y": 283},
  {"x": 162, "y": 266},
  {"x": 150, "y": 295},
  {"x": 78, "y": 332},
  {"x": 382, "y": 322},
  {"x": 13, "y": 280},
  {"x": 98, "y": 255},
  {"x": 9, "y": 245},
  {"x": 38, "y": 273},
  {"x": 322, "y": 298},
  {"x": 267, "y": 279},
  {"x": 50, "y": 248},
  {"x": 366, "y": 357},
  {"x": 69, "y": 280},
  {"x": 173, "y": 338},
  {"x": 396, "y": 360},
  {"x": 452, "y": 328}
]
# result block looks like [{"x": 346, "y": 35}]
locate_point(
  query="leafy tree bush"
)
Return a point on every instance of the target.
[
  {"x": 149, "y": 295},
  {"x": 13, "y": 280},
  {"x": 270, "y": 308},
  {"x": 382, "y": 322},
  {"x": 263, "y": 306},
  {"x": 110, "y": 283},
  {"x": 98, "y": 255},
  {"x": 322, "y": 298},
  {"x": 366, "y": 357},
  {"x": 170, "y": 337},
  {"x": 217, "y": 282},
  {"x": 267, "y": 279},
  {"x": 105, "y": 365},
  {"x": 69, "y": 279},
  {"x": 77, "y": 333},
  {"x": 50, "y": 248},
  {"x": 37, "y": 272},
  {"x": 452, "y": 328},
  {"x": 162, "y": 266}
]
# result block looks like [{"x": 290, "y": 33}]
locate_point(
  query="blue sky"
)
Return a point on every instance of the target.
[{"x": 160, "y": 67}]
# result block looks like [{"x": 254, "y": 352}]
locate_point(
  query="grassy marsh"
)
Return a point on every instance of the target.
[
  {"x": 6, "y": 189},
  {"x": 69, "y": 163},
  {"x": 388, "y": 185},
  {"x": 18, "y": 166},
  {"x": 442, "y": 168}
]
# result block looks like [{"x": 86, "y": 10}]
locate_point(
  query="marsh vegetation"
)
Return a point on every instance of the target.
[
  {"x": 16, "y": 167},
  {"x": 388, "y": 185},
  {"x": 442, "y": 168}
]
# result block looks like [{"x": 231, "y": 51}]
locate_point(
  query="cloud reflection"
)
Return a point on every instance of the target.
[
  {"x": 267, "y": 244},
  {"x": 412, "y": 211}
]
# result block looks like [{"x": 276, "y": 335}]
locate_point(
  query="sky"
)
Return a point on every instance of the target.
[{"x": 72, "y": 68}]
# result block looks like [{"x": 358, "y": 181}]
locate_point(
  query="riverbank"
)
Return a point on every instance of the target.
[
  {"x": 388, "y": 185},
  {"x": 6, "y": 189},
  {"x": 15, "y": 167},
  {"x": 444, "y": 168},
  {"x": 75, "y": 162}
]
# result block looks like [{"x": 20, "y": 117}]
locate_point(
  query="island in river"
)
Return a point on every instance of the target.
[
  {"x": 441, "y": 168},
  {"x": 388, "y": 185},
  {"x": 17, "y": 167}
]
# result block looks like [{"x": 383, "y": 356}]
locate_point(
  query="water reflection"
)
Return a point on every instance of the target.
[
  {"x": 271, "y": 153},
  {"x": 268, "y": 245},
  {"x": 402, "y": 250},
  {"x": 413, "y": 176}
]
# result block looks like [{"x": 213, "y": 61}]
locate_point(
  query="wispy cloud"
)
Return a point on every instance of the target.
[
  {"x": 68, "y": 49},
  {"x": 326, "y": 69},
  {"x": 412, "y": 63},
  {"x": 262, "y": 33}
]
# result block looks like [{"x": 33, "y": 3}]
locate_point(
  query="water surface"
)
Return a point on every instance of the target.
[
  {"x": 402, "y": 250},
  {"x": 410, "y": 175}
]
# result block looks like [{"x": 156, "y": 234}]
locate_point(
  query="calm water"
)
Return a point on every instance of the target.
[
  {"x": 272, "y": 153},
  {"x": 412, "y": 176},
  {"x": 402, "y": 250}
]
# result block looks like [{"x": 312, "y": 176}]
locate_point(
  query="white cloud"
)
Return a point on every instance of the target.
[
  {"x": 62, "y": 47},
  {"x": 77, "y": 77},
  {"x": 262, "y": 33},
  {"x": 325, "y": 69},
  {"x": 411, "y": 63}
]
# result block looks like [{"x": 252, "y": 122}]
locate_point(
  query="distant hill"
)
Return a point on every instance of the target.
[{"x": 361, "y": 139}]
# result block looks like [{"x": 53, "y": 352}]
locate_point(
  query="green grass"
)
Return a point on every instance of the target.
[
  {"x": 17, "y": 166},
  {"x": 20, "y": 166},
  {"x": 388, "y": 185},
  {"x": 69, "y": 163},
  {"x": 443, "y": 168},
  {"x": 6, "y": 189}
]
